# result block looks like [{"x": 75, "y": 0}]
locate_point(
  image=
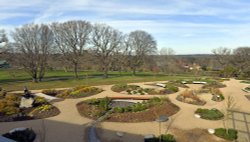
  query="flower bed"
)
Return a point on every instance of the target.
[
  {"x": 190, "y": 97},
  {"x": 212, "y": 114},
  {"x": 139, "y": 112},
  {"x": 79, "y": 92},
  {"x": 137, "y": 90},
  {"x": 10, "y": 111}
]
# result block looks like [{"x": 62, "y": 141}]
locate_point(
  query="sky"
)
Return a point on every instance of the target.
[{"x": 186, "y": 26}]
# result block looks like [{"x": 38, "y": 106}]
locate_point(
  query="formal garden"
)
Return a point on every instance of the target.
[
  {"x": 17, "y": 107},
  {"x": 137, "y": 90},
  {"x": 147, "y": 110}
]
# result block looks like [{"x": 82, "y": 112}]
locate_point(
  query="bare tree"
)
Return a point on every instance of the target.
[
  {"x": 3, "y": 42},
  {"x": 71, "y": 38},
  {"x": 241, "y": 60},
  {"x": 140, "y": 44},
  {"x": 167, "y": 61},
  {"x": 229, "y": 106},
  {"x": 33, "y": 42},
  {"x": 105, "y": 41},
  {"x": 222, "y": 55}
]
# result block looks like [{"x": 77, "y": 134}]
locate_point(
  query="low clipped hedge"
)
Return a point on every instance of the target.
[
  {"x": 209, "y": 114},
  {"x": 230, "y": 134}
]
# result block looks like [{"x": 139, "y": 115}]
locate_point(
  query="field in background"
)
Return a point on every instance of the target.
[{"x": 16, "y": 80}]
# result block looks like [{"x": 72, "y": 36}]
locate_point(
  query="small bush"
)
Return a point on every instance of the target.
[
  {"x": 119, "y": 87},
  {"x": 230, "y": 134},
  {"x": 213, "y": 114},
  {"x": 27, "y": 135}
]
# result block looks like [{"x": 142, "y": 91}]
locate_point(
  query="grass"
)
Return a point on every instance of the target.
[
  {"x": 246, "y": 81},
  {"x": 61, "y": 79}
]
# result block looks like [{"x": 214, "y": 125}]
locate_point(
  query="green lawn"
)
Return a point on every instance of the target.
[{"x": 59, "y": 79}]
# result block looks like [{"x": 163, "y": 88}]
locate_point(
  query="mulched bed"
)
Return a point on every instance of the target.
[
  {"x": 24, "y": 115},
  {"x": 167, "y": 108},
  {"x": 248, "y": 97}
]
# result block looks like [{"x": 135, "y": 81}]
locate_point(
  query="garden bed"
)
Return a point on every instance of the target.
[
  {"x": 230, "y": 134},
  {"x": 139, "y": 112},
  {"x": 190, "y": 97},
  {"x": 10, "y": 110},
  {"x": 77, "y": 92},
  {"x": 137, "y": 90},
  {"x": 212, "y": 114}
]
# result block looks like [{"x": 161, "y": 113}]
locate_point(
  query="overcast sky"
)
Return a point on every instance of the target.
[{"x": 187, "y": 26}]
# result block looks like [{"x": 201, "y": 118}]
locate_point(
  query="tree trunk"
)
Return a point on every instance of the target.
[
  {"x": 134, "y": 71},
  {"x": 106, "y": 72},
  {"x": 76, "y": 70}
]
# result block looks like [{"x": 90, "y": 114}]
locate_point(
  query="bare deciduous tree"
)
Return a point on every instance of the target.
[
  {"x": 140, "y": 45},
  {"x": 105, "y": 41},
  {"x": 222, "y": 55},
  {"x": 33, "y": 42},
  {"x": 3, "y": 42},
  {"x": 71, "y": 38}
]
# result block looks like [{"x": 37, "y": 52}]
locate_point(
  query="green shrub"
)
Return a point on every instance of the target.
[
  {"x": 119, "y": 87},
  {"x": 213, "y": 114},
  {"x": 172, "y": 88},
  {"x": 230, "y": 134},
  {"x": 119, "y": 109},
  {"x": 27, "y": 135},
  {"x": 43, "y": 108}
]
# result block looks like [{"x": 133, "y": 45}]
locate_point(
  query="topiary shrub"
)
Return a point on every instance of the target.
[
  {"x": 230, "y": 134},
  {"x": 27, "y": 135},
  {"x": 213, "y": 114}
]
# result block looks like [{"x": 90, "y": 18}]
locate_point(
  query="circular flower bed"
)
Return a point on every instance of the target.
[
  {"x": 138, "y": 112},
  {"x": 77, "y": 92},
  {"x": 10, "y": 110},
  {"x": 212, "y": 114},
  {"x": 137, "y": 90},
  {"x": 190, "y": 97}
]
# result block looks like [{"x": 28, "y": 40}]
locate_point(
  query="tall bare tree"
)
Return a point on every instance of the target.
[
  {"x": 3, "y": 42},
  {"x": 140, "y": 45},
  {"x": 241, "y": 60},
  {"x": 105, "y": 41},
  {"x": 33, "y": 43},
  {"x": 222, "y": 55},
  {"x": 71, "y": 38}
]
